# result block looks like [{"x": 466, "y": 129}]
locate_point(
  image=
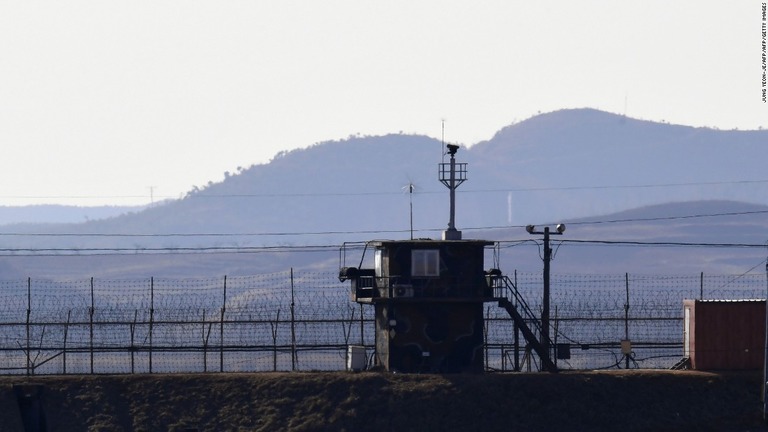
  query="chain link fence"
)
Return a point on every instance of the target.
[{"x": 305, "y": 321}]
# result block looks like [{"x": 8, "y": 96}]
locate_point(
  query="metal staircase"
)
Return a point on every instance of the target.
[
  {"x": 523, "y": 316},
  {"x": 682, "y": 364}
]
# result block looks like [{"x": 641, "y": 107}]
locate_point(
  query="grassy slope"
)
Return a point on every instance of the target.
[{"x": 616, "y": 400}]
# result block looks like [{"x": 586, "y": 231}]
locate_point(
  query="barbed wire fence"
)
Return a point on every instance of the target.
[{"x": 305, "y": 321}]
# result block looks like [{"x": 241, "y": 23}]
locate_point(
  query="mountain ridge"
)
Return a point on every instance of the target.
[{"x": 558, "y": 166}]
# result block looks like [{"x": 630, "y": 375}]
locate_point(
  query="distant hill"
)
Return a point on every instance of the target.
[
  {"x": 561, "y": 166},
  {"x": 714, "y": 237},
  {"x": 577, "y": 163},
  {"x": 565, "y": 164}
]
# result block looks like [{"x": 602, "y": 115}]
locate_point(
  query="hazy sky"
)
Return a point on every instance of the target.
[{"x": 100, "y": 101}]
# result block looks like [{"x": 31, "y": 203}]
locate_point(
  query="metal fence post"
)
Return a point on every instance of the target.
[
  {"x": 516, "y": 331},
  {"x": 29, "y": 312},
  {"x": 205, "y": 344},
  {"x": 151, "y": 317},
  {"x": 485, "y": 335},
  {"x": 626, "y": 319},
  {"x": 274, "y": 340},
  {"x": 133, "y": 343},
  {"x": 91, "y": 310},
  {"x": 64, "y": 348},
  {"x": 221, "y": 328},
  {"x": 293, "y": 326}
]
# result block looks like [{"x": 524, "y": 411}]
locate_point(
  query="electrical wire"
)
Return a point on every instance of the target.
[
  {"x": 117, "y": 251},
  {"x": 234, "y": 249},
  {"x": 200, "y": 193},
  {"x": 664, "y": 244},
  {"x": 737, "y": 277},
  {"x": 315, "y": 248},
  {"x": 307, "y": 233},
  {"x": 666, "y": 218}
]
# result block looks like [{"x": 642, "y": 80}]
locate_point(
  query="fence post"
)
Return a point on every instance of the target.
[
  {"x": 503, "y": 358},
  {"x": 133, "y": 345},
  {"x": 29, "y": 312},
  {"x": 151, "y": 317},
  {"x": 221, "y": 328},
  {"x": 701, "y": 286},
  {"x": 516, "y": 331},
  {"x": 64, "y": 349},
  {"x": 485, "y": 334},
  {"x": 557, "y": 329},
  {"x": 293, "y": 326},
  {"x": 346, "y": 330},
  {"x": 274, "y": 340},
  {"x": 91, "y": 311},
  {"x": 626, "y": 319},
  {"x": 205, "y": 345}
]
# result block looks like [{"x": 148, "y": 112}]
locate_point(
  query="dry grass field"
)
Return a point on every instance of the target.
[{"x": 635, "y": 400}]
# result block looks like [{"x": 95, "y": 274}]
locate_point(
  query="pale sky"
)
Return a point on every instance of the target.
[{"x": 103, "y": 101}]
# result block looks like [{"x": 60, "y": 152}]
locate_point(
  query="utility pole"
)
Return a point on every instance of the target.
[
  {"x": 545, "y": 299},
  {"x": 627, "y": 355},
  {"x": 559, "y": 230}
]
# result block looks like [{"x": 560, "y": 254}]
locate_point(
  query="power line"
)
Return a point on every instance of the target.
[
  {"x": 157, "y": 235},
  {"x": 663, "y": 218},
  {"x": 663, "y": 244},
  {"x": 202, "y": 194},
  {"x": 733, "y": 279},
  {"x": 71, "y": 251},
  {"x": 400, "y": 231},
  {"x": 640, "y": 186},
  {"x": 628, "y": 220}
]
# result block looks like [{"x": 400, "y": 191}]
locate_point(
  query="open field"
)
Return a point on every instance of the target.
[{"x": 616, "y": 400}]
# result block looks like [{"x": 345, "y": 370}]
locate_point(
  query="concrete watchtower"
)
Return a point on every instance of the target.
[{"x": 428, "y": 295}]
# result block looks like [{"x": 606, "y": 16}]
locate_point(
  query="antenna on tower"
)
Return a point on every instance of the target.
[
  {"x": 151, "y": 195},
  {"x": 410, "y": 187},
  {"x": 442, "y": 139}
]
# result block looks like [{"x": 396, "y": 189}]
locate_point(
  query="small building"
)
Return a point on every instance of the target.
[
  {"x": 724, "y": 334},
  {"x": 428, "y": 299},
  {"x": 428, "y": 296}
]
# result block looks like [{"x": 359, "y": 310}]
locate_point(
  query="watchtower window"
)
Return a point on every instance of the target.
[{"x": 425, "y": 262}]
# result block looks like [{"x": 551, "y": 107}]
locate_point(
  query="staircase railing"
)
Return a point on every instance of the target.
[
  {"x": 514, "y": 303},
  {"x": 511, "y": 292}
]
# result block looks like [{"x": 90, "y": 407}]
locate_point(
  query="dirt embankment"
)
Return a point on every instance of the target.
[{"x": 568, "y": 401}]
